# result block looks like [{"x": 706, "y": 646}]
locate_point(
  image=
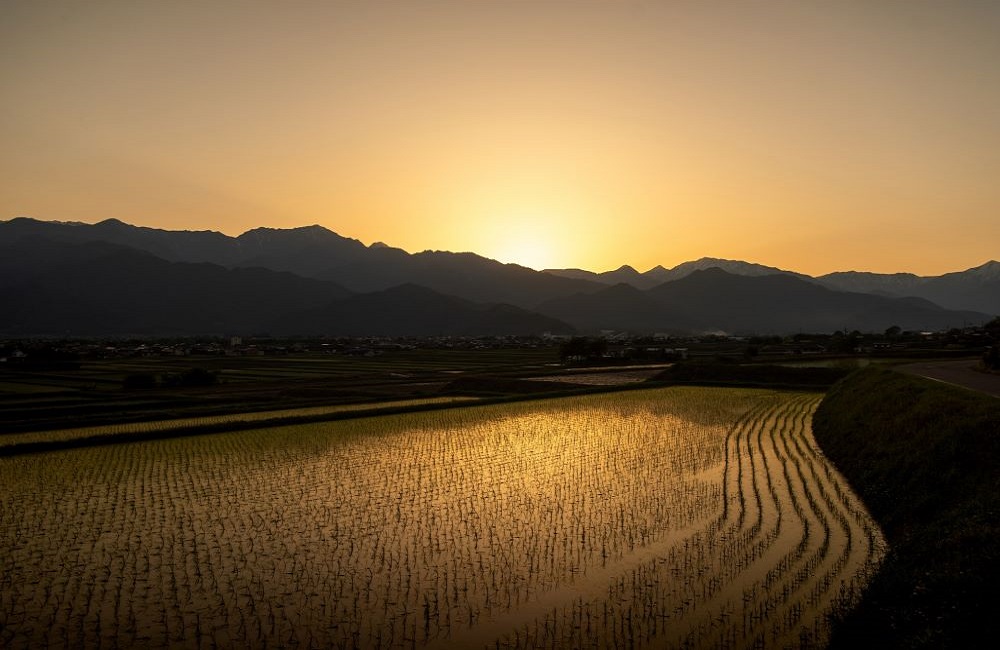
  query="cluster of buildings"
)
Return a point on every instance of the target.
[{"x": 614, "y": 345}]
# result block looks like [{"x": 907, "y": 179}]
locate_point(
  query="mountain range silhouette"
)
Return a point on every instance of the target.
[{"x": 116, "y": 279}]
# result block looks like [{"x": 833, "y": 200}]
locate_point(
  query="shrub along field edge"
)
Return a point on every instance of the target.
[{"x": 925, "y": 458}]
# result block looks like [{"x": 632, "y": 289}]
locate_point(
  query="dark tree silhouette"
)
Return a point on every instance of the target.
[
  {"x": 991, "y": 358},
  {"x": 582, "y": 348}
]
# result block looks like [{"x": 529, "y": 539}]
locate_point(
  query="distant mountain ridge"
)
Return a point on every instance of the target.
[
  {"x": 976, "y": 289},
  {"x": 299, "y": 250},
  {"x": 659, "y": 274},
  {"x": 316, "y": 252},
  {"x": 54, "y": 288},
  {"x": 713, "y": 300},
  {"x": 312, "y": 280}
]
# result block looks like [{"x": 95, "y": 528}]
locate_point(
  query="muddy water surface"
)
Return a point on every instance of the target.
[{"x": 662, "y": 518}]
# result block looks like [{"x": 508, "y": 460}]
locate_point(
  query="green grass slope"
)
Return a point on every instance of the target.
[{"x": 925, "y": 458}]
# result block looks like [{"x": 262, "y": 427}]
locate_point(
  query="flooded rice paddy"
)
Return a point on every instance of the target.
[{"x": 679, "y": 517}]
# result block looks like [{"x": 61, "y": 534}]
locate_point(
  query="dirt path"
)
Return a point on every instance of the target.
[{"x": 959, "y": 372}]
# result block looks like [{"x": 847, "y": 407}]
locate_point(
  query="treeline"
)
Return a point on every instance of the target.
[
  {"x": 923, "y": 457},
  {"x": 991, "y": 358}
]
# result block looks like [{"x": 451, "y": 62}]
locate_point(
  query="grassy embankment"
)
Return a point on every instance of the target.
[{"x": 925, "y": 458}]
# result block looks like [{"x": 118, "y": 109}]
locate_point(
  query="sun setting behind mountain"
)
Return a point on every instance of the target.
[
  {"x": 553, "y": 324},
  {"x": 816, "y": 136}
]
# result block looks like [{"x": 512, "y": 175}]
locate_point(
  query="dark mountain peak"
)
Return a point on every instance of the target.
[
  {"x": 288, "y": 244},
  {"x": 24, "y": 225},
  {"x": 31, "y": 222},
  {"x": 988, "y": 271},
  {"x": 709, "y": 274},
  {"x": 306, "y": 250},
  {"x": 867, "y": 274},
  {"x": 185, "y": 246},
  {"x": 707, "y": 263},
  {"x": 621, "y": 289},
  {"x": 654, "y": 276},
  {"x": 316, "y": 230},
  {"x": 711, "y": 271},
  {"x": 455, "y": 255},
  {"x": 113, "y": 223},
  {"x": 624, "y": 273},
  {"x": 122, "y": 228},
  {"x": 723, "y": 285},
  {"x": 737, "y": 267},
  {"x": 313, "y": 232}
]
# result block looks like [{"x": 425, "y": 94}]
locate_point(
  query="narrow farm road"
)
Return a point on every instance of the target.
[{"x": 960, "y": 372}]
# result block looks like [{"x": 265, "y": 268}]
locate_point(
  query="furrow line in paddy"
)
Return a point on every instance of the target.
[
  {"x": 677, "y": 606},
  {"x": 745, "y": 566},
  {"x": 677, "y": 544},
  {"x": 801, "y": 596},
  {"x": 770, "y": 598},
  {"x": 836, "y": 575}
]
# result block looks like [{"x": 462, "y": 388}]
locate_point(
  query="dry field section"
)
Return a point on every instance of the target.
[{"x": 663, "y": 518}]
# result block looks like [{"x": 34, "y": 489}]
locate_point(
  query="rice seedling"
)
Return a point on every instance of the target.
[{"x": 670, "y": 517}]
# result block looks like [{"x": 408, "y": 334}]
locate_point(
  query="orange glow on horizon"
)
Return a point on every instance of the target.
[{"x": 812, "y": 137}]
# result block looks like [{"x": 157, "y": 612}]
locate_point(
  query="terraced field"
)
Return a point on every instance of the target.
[{"x": 671, "y": 517}]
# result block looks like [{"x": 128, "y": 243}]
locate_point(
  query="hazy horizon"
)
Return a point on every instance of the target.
[{"x": 813, "y": 137}]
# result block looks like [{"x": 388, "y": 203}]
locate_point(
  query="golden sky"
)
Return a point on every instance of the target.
[{"x": 813, "y": 136}]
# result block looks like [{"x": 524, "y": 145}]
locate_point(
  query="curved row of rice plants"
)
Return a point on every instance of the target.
[{"x": 682, "y": 516}]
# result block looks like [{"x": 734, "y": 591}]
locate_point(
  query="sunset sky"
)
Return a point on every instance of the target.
[{"x": 813, "y": 136}]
